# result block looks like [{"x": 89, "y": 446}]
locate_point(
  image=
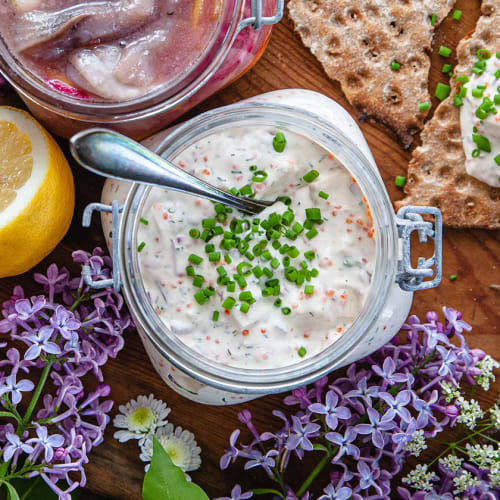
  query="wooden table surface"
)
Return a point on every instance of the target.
[{"x": 115, "y": 471}]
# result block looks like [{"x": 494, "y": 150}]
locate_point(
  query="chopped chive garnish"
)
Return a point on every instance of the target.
[
  {"x": 311, "y": 234},
  {"x": 313, "y": 214},
  {"x": 462, "y": 79},
  {"x": 208, "y": 223},
  {"x": 475, "y": 153},
  {"x": 200, "y": 297},
  {"x": 279, "y": 142},
  {"x": 458, "y": 101},
  {"x": 231, "y": 286},
  {"x": 453, "y": 277},
  {"x": 311, "y": 175},
  {"x": 400, "y": 181},
  {"x": 286, "y": 310},
  {"x": 244, "y": 307},
  {"x": 144, "y": 221},
  {"x": 483, "y": 143},
  {"x": 446, "y": 68},
  {"x": 477, "y": 92},
  {"x": 497, "y": 160},
  {"x": 483, "y": 54},
  {"x": 252, "y": 168},
  {"x": 293, "y": 252},
  {"x": 190, "y": 271},
  {"x": 195, "y": 259},
  {"x": 444, "y": 51},
  {"x": 323, "y": 195},
  {"x": 433, "y": 19},
  {"x": 457, "y": 15},
  {"x": 215, "y": 316},
  {"x": 308, "y": 289},
  {"x": 141, "y": 246},
  {"x": 228, "y": 303},
  {"x": 309, "y": 255},
  {"x": 302, "y": 352},
  {"x": 244, "y": 268},
  {"x": 227, "y": 258},
  {"x": 259, "y": 176},
  {"x": 246, "y": 190},
  {"x": 442, "y": 91},
  {"x": 424, "y": 106},
  {"x": 198, "y": 281},
  {"x": 395, "y": 65}
]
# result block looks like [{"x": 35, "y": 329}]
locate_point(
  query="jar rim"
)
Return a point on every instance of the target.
[
  {"x": 142, "y": 107},
  {"x": 262, "y": 381}
]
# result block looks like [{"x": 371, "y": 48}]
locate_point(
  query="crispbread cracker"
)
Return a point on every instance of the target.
[
  {"x": 436, "y": 174},
  {"x": 356, "y": 41}
]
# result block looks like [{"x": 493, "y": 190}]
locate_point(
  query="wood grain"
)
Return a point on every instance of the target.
[{"x": 115, "y": 471}]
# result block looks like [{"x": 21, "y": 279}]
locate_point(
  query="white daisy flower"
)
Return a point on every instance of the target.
[
  {"x": 139, "y": 418},
  {"x": 178, "y": 443}
]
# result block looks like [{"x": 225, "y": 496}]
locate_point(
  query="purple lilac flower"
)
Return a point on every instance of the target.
[
  {"x": 13, "y": 388},
  {"x": 231, "y": 453},
  {"x": 301, "y": 434},
  {"x": 14, "y": 447},
  {"x": 45, "y": 442},
  {"x": 257, "y": 459},
  {"x": 394, "y": 398},
  {"x": 80, "y": 337},
  {"x": 41, "y": 342},
  {"x": 388, "y": 372},
  {"x": 330, "y": 493},
  {"x": 331, "y": 410},
  {"x": 397, "y": 405},
  {"x": 378, "y": 424},
  {"x": 236, "y": 494},
  {"x": 345, "y": 443}
]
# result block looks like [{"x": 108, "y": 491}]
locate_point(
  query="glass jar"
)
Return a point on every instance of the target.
[
  {"x": 326, "y": 123},
  {"x": 244, "y": 30}
]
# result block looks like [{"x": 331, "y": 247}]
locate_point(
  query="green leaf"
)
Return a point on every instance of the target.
[
  {"x": 11, "y": 490},
  {"x": 167, "y": 481}
]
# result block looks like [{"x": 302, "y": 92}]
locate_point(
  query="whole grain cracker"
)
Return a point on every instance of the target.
[
  {"x": 357, "y": 40},
  {"x": 436, "y": 173}
]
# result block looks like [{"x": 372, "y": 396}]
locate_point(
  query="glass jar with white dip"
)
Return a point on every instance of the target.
[{"x": 324, "y": 124}]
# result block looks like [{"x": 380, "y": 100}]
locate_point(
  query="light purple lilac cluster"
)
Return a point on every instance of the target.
[
  {"x": 48, "y": 429},
  {"x": 365, "y": 425}
]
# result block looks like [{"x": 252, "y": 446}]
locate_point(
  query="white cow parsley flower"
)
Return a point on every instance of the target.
[
  {"x": 463, "y": 482},
  {"x": 417, "y": 443},
  {"x": 484, "y": 456},
  {"x": 494, "y": 475},
  {"x": 470, "y": 411},
  {"x": 495, "y": 416},
  {"x": 140, "y": 417},
  {"x": 450, "y": 391},
  {"x": 178, "y": 443},
  {"x": 451, "y": 462},
  {"x": 486, "y": 365},
  {"x": 420, "y": 478}
]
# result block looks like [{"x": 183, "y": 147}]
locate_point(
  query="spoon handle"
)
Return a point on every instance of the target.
[{"x": 114, "y": 155}]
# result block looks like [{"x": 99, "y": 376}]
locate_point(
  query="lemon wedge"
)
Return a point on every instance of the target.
[{"x": 37, "y": 194}]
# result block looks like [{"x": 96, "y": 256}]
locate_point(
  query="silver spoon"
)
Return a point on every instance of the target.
[{"x": 111, "y": 154}]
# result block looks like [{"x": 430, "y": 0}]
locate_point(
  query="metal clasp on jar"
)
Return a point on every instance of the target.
[
  {"x": 256, "y": 20},
  {"x": 115, "y": 211},
  {"x": 410, "y": 219}
]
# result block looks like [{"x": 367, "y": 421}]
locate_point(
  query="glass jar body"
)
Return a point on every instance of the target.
[
  {"x": 389, "y": 306},
  {"x": 238, "y": 50}
]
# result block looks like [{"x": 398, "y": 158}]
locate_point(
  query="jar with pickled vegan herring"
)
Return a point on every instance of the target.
[
  {"x": 232, "y": 307},
  {"x": 73, "y": 67}
]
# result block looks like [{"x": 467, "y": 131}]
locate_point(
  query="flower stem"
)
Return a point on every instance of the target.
[
  {"x": 34, "y": 399},
  {"x": 267, "y": 491},
  {"x": 319, "y": 467}
]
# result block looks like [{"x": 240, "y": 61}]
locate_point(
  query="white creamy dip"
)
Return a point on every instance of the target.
[
  {"x": 309, "y": 316},
  {"x": 483, "y": 165}
]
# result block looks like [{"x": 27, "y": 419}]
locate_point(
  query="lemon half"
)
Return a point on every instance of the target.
[{"x": 37, "y": 194}]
